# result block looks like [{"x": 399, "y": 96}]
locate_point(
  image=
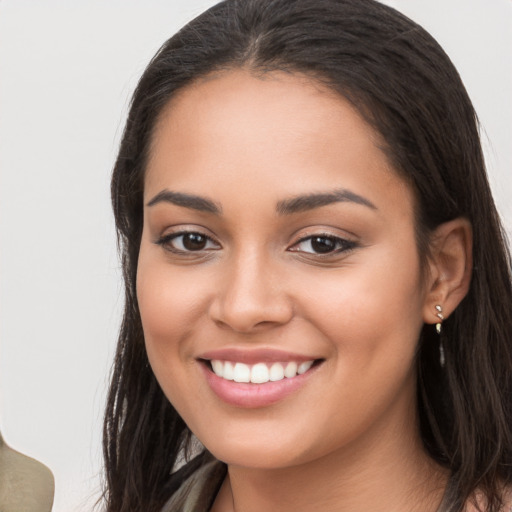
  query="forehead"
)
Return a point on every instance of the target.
[
  {"x": 287, "y": 106},
  {"x": 286, "y": 131}
]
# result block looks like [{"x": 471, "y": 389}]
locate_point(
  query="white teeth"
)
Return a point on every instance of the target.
[
  {"x": 304, "y": 367},
  {"x": 229, "y": 373},
  {"x": 242, "y": 373},
  {"x": 290, "y": 370},
  {"x": 218, "y": 368},
  {"x": 276, "y": 372},
  {"x": 259, "y": 373}
]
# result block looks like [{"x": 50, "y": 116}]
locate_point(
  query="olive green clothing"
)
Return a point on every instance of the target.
[
  {"x": 198, "y": 492},
  {"x": 26, "y": 485}
]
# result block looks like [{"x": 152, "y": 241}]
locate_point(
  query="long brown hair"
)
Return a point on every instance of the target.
[{"x": 404, "y": 84}]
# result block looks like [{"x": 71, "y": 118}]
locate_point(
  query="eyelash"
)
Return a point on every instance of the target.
[
  {"x": 341, "y": 245},
  {"x": 166, "y": 242}
]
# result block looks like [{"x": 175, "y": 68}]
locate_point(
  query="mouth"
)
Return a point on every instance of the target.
[
  {"x": 260, "y": 372},
  {"x": 248, "y": 381}
]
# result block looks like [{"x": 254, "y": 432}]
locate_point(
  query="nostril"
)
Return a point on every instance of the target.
[{"x": 246, "y": 307}]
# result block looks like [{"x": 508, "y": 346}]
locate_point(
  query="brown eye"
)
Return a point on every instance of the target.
[
  {"x": 186, "y": 242},
  {"x": 194, "y": 241},
  {"x": 323, "y": 244}
]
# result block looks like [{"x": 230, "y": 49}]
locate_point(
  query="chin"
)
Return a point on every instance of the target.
[
  {"x": 263, "y": 448},
  {"x": 257, "y": 457}
]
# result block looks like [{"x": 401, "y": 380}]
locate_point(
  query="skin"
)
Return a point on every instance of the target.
[{"x": 348, "y": 439}]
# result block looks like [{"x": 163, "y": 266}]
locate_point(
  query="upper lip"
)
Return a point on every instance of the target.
[{"x": 253, "y": 356}]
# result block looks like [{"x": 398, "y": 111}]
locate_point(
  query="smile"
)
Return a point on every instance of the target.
[
  {"x": 259, "y": 373},
  {"x": 256, "y": 379}
]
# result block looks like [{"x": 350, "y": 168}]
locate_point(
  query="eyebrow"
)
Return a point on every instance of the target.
[
  {"x": 311, "y": 201},
  {"x": 286, "y": 207},
  {"x": 191, "y": 201}
]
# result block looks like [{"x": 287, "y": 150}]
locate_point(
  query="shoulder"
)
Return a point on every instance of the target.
[
  {"x": 197, "y": 492},
  {"x": 507, "y": 499},
  {"x": 479, "y": 503},
  {"x": 24, "y": 481}
]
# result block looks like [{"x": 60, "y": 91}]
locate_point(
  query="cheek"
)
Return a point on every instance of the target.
[
  {"x": 170, "y": 301},
  {"x": 171, "y": 305},
  {"x": 372, "y": 320},
  {"x": 371, "y": 310}
]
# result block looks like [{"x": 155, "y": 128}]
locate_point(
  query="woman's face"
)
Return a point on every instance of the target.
[{"x": 279, "y": 247}]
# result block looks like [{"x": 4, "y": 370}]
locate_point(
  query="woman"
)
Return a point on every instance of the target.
[{"x": 317, "y": 284}]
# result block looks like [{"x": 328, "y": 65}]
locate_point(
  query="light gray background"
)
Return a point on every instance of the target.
[{"x": 66, "y": 74}]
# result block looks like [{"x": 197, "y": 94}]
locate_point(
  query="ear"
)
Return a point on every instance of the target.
[{"x": 450, "y": 268}]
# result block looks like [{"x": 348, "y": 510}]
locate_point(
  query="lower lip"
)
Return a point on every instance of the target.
[{"x": 252, "y": 396}]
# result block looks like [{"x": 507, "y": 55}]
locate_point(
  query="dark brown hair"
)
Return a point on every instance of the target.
[{"x": 405, "y": 86}]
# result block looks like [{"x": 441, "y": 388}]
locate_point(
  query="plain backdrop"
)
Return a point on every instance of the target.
[{"x": 66, "y": 74}]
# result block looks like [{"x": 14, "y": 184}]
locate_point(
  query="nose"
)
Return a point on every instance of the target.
[{"x": 252, "y": 296}]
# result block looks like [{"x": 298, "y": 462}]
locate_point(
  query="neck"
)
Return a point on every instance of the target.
[{"x": 387, "y": 471}]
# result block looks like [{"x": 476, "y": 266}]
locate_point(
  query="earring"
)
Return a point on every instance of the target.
[
  {"x": 439, "y": 315},
  {"x": 441, "y": 318}
]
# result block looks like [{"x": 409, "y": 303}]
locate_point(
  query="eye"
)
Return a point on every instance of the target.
[
  {"x": 322, "y": 244},
  {"x": 187, "y": 241}
]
